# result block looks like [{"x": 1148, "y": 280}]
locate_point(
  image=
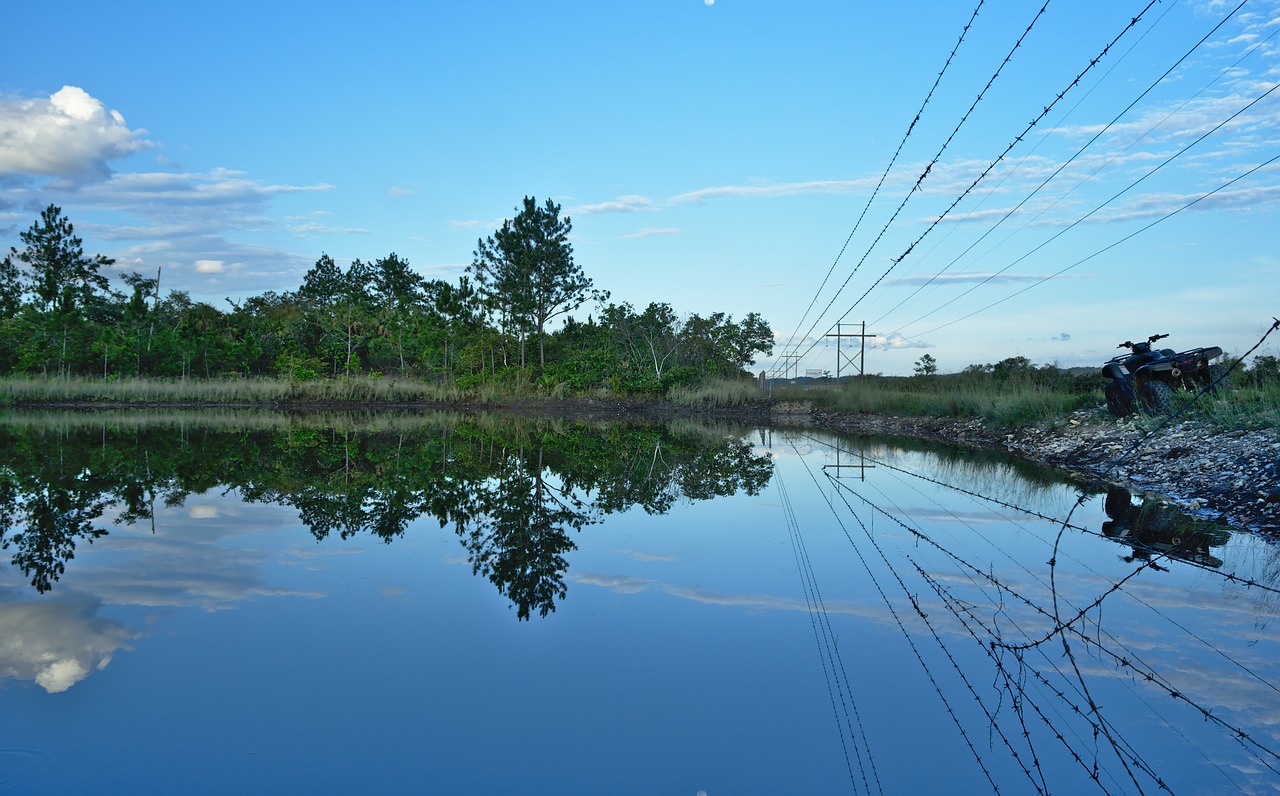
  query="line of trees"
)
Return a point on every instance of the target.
[{"x": 60, "y": 315}]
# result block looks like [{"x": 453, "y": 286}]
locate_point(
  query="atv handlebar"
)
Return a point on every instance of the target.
[{"x": 1151, "y": 339}]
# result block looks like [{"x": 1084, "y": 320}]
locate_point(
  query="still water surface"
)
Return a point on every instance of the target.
[{"x": 333, "y": 604}]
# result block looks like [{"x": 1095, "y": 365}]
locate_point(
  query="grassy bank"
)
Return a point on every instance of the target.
[
  {"x": 1009, "y": 403},
  {"x": 1018, "y": 403},
  {"x": 263, "y": 391}
]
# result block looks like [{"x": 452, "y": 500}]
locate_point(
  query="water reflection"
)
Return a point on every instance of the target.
[
  {"x": 949, "y": 605},
  {"x": 1150, "y": 528},
  {"x": 512, "y": 489},
  {"x": 56, "y": 643},
  {"x": 1066, "y": 660}
]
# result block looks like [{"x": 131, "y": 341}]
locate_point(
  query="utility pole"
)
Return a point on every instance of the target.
[
  {"x": 862, "y": 352},
  {"x": 788, "y": 365}
]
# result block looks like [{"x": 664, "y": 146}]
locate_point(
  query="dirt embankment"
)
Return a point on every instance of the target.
[{"x": 1232, "y": 477}]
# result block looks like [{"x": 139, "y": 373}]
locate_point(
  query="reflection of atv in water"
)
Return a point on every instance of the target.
[
  {"x": 1152, "y": 527},
  {"x": 1148, "y": 377}
]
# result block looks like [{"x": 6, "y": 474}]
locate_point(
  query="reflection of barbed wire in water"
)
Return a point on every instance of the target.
[
  {"x": 1036, "y": 778},
  {"x": 833, "y": 668},
  {"x": 1260, "y": 752},
  {"x": 1063, "y": 692},
  {"x": 1191, "y": 531},
  {"x": 976, "y": 576},
  {"x": 1126, "y": 660}
]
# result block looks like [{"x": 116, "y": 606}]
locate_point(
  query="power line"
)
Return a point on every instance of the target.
[
  {"x": 910, "y": 127},
  {"x": 1075, "y": 156},
  {"x": 1105, "y": 249},
  {"x": 1018, "y": 139},
  {"x": 929, "y": 167},
  {"x": 999, "y": 158}
]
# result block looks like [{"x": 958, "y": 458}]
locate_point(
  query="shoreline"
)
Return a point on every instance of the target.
[{"x": 1228, "y": 477}]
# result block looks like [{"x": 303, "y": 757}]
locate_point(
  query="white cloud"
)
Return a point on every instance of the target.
[
  {"x": 69, "y": 135},
  {"x": 57, "y": 642},
  {"x": 895, "y": 341},
  {"x": 184, "y": 223},
  {"x": 396, "y": 190},
  {"x": 169, "y": 192}
]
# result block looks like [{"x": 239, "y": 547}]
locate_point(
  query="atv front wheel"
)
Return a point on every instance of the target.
[{"x": 1120, "y": 398}]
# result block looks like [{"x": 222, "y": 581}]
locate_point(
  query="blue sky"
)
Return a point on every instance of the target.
[{"x": 713, "y": 155}]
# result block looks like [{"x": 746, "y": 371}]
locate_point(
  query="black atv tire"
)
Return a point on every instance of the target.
[
  {"x": 1117, "y": 503},
  {"x": 1121, "y": 399},
  {"x": 1157, "y": 398}
]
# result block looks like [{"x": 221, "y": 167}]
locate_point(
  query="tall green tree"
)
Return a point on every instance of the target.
[
  {"x": 527, "y": 275},
  {"x": 61, "y": 276},
  {"x": 339, "y": 304},
  {"x": 397, "y": 293},
  {"x": 10, "y": 288}
]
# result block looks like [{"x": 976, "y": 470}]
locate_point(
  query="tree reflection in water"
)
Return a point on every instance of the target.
[{"x": 511, "y": 488}]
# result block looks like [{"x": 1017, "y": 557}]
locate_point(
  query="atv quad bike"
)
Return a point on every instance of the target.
[{"x": 1147, "y": 378}]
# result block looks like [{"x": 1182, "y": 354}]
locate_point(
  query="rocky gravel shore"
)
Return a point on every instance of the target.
[{"x": 1232, "y": 477}]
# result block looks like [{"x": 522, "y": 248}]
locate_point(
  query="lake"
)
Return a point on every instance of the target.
[{"x": 218, "y": 601}]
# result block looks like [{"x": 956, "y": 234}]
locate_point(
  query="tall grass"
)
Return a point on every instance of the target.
[
  {"x": 1011, "y": 404},
  {"x": 232, "y": 419},
  {"x": 1242, "y": 407},
  {"x": 726, "y": 394},
  {"x": 221, "y": 391}
]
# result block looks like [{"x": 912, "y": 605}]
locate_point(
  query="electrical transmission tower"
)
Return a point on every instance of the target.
[
  {"x": 841, "y": 357},
  {"x": 792, "y": 364}
]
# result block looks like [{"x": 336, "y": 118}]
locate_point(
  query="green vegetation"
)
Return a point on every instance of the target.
[
  {"x": 1014, "y": 393},
  {"x": 60, "y": 319},
  {"x": 379, "y": 333},
  {"x": 80, "y": 389}
]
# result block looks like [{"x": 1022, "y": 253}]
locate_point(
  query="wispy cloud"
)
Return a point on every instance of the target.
[
  {"x": 622, "y": 204},
  {"x": 771, "y": 190},
  {"x": 312, "y": 229},
  {"x": 620, "y": 584},
  {"x": 475, "y": 223},
  {"x": 640, "y": 555},
  {"x": 646, "y": 232},
  {"x": 1157, "y": 205},
  {"x": 968, "y": 277}
]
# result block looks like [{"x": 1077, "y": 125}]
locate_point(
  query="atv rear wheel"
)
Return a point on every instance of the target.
[
  {"x": 1157, "y": 398},
  {"x": 1120, "y": 398},
  {"x": 1219, "y": 380}
]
